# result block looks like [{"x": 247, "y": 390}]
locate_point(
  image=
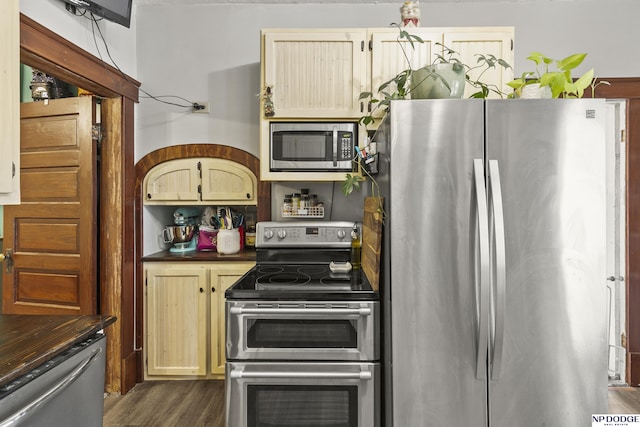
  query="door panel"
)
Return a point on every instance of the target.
[
  {"x": 433, "y": 283},
  {"x": 552, "y": 166},
  {"x": 53, "y": 232}
]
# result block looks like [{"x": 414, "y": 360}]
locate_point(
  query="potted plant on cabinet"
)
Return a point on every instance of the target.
[
  {"x": 444, "y": 77},
  {"x": 553, "y": 83}
]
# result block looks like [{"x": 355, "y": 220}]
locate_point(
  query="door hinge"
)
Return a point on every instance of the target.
[
  {"x": 623, "y": 340},
  {"x": 200, "y": 191},
  {"x": 13, "y": 169},
  {"x": 511, "y": 44},
  {"x": 623, "y": 135},
  {"x": 361, "y": 45},
  {"x": 96, "y": 133},
  {"x": 370, "y": 45}
]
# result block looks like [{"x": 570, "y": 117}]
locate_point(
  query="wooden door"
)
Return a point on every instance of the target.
[
  {"x": 52, "y": 235},
  {"x": 497, "y": 41},
  {"x": 226, "y": 181},
  {"x": 176, "y": 310},
  {"x": 175, "y": 181},
  {"x": 391, "y": 55},
  {"x": 222, "y": 277},
  {"x": 9, "y": 84},
  {"x": 314, "y": 73}
]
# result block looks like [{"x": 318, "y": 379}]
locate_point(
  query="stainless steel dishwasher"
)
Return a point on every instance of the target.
[{"x": 68, "y": 390}]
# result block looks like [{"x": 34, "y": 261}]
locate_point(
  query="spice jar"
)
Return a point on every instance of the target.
[
  {"x": 250, "y": 236},
  {"x": 287, "y": 207},
  {"x": 295, "y": 201}
]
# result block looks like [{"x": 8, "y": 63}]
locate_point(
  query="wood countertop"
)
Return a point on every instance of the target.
[
  {"x": 201, "y": 256},
  {"x": 28, "y": 341}
]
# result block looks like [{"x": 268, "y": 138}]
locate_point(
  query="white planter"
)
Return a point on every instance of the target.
[
  {"x": 534, "y": 91},
  {"x": 439, "y": 81}
]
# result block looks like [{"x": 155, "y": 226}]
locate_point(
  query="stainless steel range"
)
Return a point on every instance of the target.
[{"x": 303, "y": 334}]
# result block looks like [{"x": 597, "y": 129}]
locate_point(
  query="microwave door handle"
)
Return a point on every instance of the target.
[{"x": 335, "y": 146}]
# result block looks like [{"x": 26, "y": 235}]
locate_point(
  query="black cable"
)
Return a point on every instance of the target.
[{"x": 148, "y": 95}]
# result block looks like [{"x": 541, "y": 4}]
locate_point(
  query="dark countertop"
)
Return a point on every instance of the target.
[
  {"x": 201, "y": 256},
  {"x": 28, "y": 341}
]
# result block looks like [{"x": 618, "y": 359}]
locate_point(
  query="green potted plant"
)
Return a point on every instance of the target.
[
  {"x": 445, "y": 77},
  {"x": 352, "y": 182},
  {"x": 556, "y": 82}
]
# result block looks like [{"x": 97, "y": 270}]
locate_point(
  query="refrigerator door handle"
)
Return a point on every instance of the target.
[
  {"x": 499, "y": 274},
  {"x": 482, "y": 267}
]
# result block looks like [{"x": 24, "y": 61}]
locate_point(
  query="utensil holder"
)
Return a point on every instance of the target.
[{"x": 228, "y": 241}]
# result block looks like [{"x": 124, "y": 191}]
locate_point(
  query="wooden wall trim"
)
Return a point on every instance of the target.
[
  {"x": 162, "y": 155},
  {"x": 46, "y": 51}
]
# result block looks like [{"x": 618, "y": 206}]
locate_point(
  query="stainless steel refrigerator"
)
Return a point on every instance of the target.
[{"x": 494, "y": 262}]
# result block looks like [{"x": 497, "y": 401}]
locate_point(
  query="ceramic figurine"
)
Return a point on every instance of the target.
[{"x": 410, "y": 14}]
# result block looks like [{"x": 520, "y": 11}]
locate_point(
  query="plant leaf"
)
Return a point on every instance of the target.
[
  {"x": 585, "y": 80},
  {"x": 571, "y": 61}
]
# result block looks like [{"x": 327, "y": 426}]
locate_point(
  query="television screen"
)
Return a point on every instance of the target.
[{"x": 118, "y": 11}]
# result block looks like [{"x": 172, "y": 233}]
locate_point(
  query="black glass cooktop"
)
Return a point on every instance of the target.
[{"x": 301, "y": 281}]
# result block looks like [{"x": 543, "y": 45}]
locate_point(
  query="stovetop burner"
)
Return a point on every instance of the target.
[
  {"x": 292, "y": 263},
  {"x": 302, "y": 278},
  {"x": 307, "y": 282}
]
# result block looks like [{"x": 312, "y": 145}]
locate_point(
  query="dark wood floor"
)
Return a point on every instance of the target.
[
  {"x": 201, "y": 403},
  {"x": 167, "y": 403}
]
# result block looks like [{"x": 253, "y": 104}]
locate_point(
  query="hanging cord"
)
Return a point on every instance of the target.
[{"x": 94, "y": 22}]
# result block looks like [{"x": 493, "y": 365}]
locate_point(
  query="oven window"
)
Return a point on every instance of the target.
[
  {"x": 289, "y": 333},
  {"x": 302, "y": 406}
]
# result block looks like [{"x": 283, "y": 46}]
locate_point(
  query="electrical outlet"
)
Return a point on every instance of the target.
[{"x": 205, "y": 107}]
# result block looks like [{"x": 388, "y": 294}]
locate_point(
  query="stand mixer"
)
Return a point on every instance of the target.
[{"x": 181, "y": 234}]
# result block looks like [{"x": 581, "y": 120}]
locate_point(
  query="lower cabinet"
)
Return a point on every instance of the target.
[{"x": 185, "y": 318}]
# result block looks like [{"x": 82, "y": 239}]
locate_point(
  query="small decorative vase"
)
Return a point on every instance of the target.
[
  {"x": 534, "y": 91},
  {"x": 438, "y": 81}
]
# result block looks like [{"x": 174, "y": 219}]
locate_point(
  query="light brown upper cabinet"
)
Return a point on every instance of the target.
[
  {"x": 318, "y": 74},
  {"x": 196, "y": 181},
  {"x": 9, "y": 102}
]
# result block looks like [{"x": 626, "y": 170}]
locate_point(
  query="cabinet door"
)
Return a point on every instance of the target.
[
  {"x": 469, "y": 42},
  {"x": 9, "y": 103},
  {"x": 390, "y": 55},
  {"x": 222, "y": 277},
  {"x": 176, "y": 312},
  {"x": 314, "y": 73},
  {"x": 228, "y": 182},
  {"x": 172, "y": 181}
]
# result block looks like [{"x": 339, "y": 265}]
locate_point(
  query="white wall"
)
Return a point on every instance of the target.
[
  {"x": 78, "y": 30},
  {"x": 212, "y": 52}
]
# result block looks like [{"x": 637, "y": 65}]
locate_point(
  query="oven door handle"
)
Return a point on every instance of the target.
[
  {"x": 362, "y": 375},
  {"x": 362, "y": 311}
]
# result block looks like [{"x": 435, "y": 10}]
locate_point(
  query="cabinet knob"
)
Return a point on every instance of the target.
[
  {"x": 213, "y": 289},
  {"x": 148, "y": 195},
  {"x": 248, "y": 196},
  {"x": 201, "y": 290}
]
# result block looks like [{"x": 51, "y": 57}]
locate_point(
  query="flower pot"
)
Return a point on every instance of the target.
[
  {"x": 438, "y": 81},
  {"x": 534, "y": 91}
]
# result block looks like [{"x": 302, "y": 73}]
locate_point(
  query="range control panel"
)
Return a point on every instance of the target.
[{"x": 304, "y": 234}]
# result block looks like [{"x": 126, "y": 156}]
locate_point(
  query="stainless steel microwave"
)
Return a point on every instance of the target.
[{"x": 317, "y": 146}]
